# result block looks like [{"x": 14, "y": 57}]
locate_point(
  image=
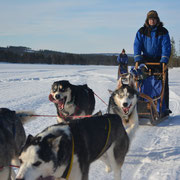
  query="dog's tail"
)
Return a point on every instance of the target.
[{"x": 25, "y": 116}]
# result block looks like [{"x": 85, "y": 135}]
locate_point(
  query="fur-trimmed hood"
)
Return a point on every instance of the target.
[{"x": 152, "y": 14}]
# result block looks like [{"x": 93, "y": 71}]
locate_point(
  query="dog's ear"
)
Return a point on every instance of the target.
[
  {"x": 132, "y": 84},
  {"x": 119, "y": 84},
  {"x": 29, "y": 139},
  {"x": 55, "y": 142},
  {"x": 99, "y": 113},
  {"x": 110, "y": 91}
]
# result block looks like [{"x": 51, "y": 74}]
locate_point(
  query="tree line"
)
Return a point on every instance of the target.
[
  {"x": 20, "y": 54},
  {"x": 174, "y": 60}
]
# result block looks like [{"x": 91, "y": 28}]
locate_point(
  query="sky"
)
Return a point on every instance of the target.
[{"x": 82, "y": 26}]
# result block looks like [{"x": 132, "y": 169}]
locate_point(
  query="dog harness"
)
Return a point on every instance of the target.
[
  {"x": 61, "y": 115},
  {"x": 67, "y": 171},
  {"x": 107, "y": 127}
]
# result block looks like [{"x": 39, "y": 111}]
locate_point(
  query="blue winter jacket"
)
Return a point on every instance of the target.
[
  {"x": 152, "y": 44},
  {"x": 122, "y": 58}
]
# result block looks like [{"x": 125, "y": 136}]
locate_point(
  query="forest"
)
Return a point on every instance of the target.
[{"x": 20, "y": 54}]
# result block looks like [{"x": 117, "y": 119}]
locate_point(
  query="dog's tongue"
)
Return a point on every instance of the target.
[
  {"x": 126, "y": 110},
  {"x": 51, "y": 98},
  {"x": 60, "y": 104}
]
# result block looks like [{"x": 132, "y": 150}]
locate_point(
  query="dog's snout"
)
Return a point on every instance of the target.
[
  {"x": 57, "y": 96},
  {"x": 125, "y": 104}
]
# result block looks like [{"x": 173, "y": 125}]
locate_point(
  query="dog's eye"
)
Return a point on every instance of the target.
[
  {"x": 121, "y": 96},
  {"x": 54, "y": 88},
  {"x": 37, "y": 163},
  {"x": 131, "y": 96},
  {"x": 62, "y": 90}
]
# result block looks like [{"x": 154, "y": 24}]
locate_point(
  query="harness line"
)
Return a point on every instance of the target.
[
  {"x": 67, "y": 172},
  {"x": 9, "y": 166},
  {"x": 39, "y": 115},
  {"x": 72, "y": 158}
]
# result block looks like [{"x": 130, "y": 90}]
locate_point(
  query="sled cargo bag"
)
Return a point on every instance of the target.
[{"x": 152, "y": 87}]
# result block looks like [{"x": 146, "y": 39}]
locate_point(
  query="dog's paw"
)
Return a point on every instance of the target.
[{"x": 108, "y": 169}]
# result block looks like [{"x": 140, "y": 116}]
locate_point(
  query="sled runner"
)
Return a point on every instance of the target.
[{"x": 151, "y": 82}]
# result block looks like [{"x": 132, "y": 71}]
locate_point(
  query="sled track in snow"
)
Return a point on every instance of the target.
[{"x": 174, "y": 103}]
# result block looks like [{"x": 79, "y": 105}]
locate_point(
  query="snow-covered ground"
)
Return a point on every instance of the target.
[{"x": 155, "y": 151}]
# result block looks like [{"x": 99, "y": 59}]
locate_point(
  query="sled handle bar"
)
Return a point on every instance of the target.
[
  {"x": 164, "y": 67},
  {"x": 149, "y": 63}
]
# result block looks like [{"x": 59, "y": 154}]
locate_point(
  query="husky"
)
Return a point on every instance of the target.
[
  {"x": 66, "y": 150},
  {"x": 123, "y": 101},
  {"x": 12, "y": 139},
  {"x": 71, "y": 101}
]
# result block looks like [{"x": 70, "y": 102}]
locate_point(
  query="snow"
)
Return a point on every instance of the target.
[{"x": 155, "y": 151}]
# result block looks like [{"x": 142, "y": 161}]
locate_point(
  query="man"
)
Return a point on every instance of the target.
[
  {"x": 152, "y": 41},
  {"x": 122, "y": 60},
  {"x": 152, "y": 44}
]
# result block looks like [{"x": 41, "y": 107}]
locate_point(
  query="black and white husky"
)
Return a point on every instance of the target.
[
  {"x": 71, "y": 101},
  {"x": 66, "y": 150},
  {"x": 12, "y": 138},
  {"x": 123, "y": 101}
]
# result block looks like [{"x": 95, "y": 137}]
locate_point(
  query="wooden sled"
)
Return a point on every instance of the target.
[{"x": 147, "y": 106}]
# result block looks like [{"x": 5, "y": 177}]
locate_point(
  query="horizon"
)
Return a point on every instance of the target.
[{"x": 65, "y": 52}]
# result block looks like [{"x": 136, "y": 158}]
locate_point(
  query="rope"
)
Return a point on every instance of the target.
[
  {"x": 39, "y": 115},
  {"x": 36, "y": 115},
  {"x": 74, "y": 116},
  {"x": 14, "y": 166},
  {"x": 9, "y": 166},
  {"x": 100, "y": 99}
]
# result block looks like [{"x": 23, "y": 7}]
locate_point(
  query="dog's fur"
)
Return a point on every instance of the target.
[
  {"x": 12, "y": 138},
  {"x": 123, "y": 101},
  {"x": 71, "y": 100},
  {"x": 50, "y": 152}
]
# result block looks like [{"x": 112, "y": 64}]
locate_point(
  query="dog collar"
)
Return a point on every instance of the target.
[
  {"x": 61, "y": 115},
  {"x": 67, "y": 172}
]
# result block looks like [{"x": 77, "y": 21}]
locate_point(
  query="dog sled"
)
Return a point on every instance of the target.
[{"x": 150, "y": 80}]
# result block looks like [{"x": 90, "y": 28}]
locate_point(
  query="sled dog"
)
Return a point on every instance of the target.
[
  {"x": 71, "y": 100},
  {"x": 66, "y": 150},
  {"x": 123, "y": 101},
  {"x": 128, "y": 79},
  {"x": 12, "y": 138}
]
